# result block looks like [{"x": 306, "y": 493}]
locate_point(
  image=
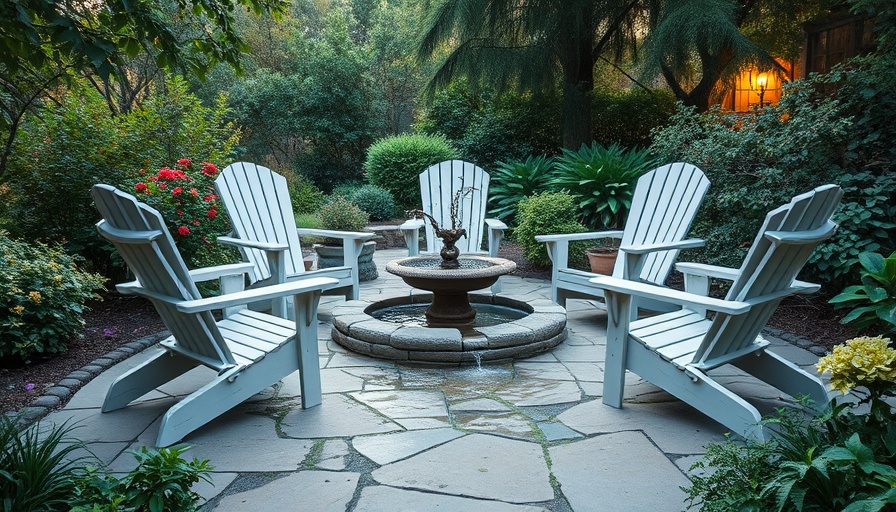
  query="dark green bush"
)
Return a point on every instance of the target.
[
  {"x": 487, "y": 128},
  {"x": 628, "y": 117},
  {"x": 59, "y": 156},
  {"x": 394, "y": 163},
  {"x": 376, "y": 201},
  {"x": 602, "y": 180},
  {"x": 347, "y": 189},
  {"x": 41, "y": 300},
  {"x": 303, "y": 193},
  {"x": 873, "y": 302},
  {"x": 514, "y": 181},
  {"x": 548, "y": 213}
]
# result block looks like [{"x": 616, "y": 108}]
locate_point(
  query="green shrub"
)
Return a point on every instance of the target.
[
  {"x": 187, "y": 200},
  {"x": 161, "y": 482},
  {"x": 343, "y": 215},
  {"x": 548, "y": 213},
  {"x": 303, "y": 193},
  {"x": 873, "y": 302},
  {"x": 627, "y": 117},
  {"x": 347, "y": 189},
  {"x": 602, "y": 180},
  {"x": 839, "y": 458},
  {"x": 76, "y": 144},
  {"x": 376, "y": 201},
  {"x": 394, "y": 163},
  {"x": 38, "y": 466},
  {"x": 514, "y": 181},
  {"x": 488, "y": 127},
  {"x": 41, "y": 300}
]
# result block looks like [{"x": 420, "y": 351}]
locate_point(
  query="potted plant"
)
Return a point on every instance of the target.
[
  {"x": 602, "y": 256},
  {"x": 340, "y": 214}
]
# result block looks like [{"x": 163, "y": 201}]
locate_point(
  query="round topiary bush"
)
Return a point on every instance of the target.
[
  {"x": 549, "y": 213},
  {"x": 395, "y": 162},
  {"x": 41, "y": 300},
  {"x": 342, "y": 215},
  {"x": 376, "y": 201}
]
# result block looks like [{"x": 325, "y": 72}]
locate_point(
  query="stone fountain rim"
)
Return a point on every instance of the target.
[{"x": 499, "y": 267}]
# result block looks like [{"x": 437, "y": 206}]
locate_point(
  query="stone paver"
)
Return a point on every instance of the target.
[
  {"x": 387, "y": 448},
  {"x": 617, "y": 472},
  {"x": 378, "y": 498},
  {"x": 476, "y": 465},
  {"x": 401, "y": 436},
  {"x": 321, "y": 491}
]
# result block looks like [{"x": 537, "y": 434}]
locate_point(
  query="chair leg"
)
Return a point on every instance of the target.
[
  {"x": 616, "y": 360},
  {"x": 130, "y": 386},
  {"x": 304, "y": 310},
  {"x": 784, "y": 375},
  {"x": 225, "y": 392},
  {"x": 698, "y": 390}
]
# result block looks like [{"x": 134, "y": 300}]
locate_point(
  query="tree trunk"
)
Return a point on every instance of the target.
[{"x": 578, "y": 82}]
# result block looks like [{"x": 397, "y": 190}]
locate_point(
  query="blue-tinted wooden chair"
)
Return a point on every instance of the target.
[
  {"x": 249, "y": 351},
  {"x": 676, "y": 350}
]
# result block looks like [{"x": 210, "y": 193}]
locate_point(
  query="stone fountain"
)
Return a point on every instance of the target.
[{"x": 455, "y": 326}]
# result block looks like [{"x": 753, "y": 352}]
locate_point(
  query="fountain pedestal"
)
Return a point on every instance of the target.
[{"x": 450, "y": 305}]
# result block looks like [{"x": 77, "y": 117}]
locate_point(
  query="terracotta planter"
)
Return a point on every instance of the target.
[
  {"x": 331, "y": 256},
  {"x": 602, "y": 262}
]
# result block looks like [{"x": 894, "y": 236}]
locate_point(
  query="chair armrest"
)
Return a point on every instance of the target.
[
  {"x": 256, "y": 294},
  {"x": 411, "y": 231},
  {"x": 659, "y": 293},
  {"x": 495, "y": 224},
  {"x": 579, "y": 236},
  {"x": 704, "y": 270},
  {"x": 209, "y": 273},
  {"x": 344, "y": 235},
  {"x": 665, "y": 246},
  {"x": 411, "y": 225},
  {"x": 252, "y": 244}
]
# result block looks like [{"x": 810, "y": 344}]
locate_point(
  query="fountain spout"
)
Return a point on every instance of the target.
[{"x": 448, "y": 236}]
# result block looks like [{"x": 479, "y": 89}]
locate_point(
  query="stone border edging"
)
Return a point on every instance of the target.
[
  {"x": 795, "y": 339},
  {"x": 70, "y": 384}
]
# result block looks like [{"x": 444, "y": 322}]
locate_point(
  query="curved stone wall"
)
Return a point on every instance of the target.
[{"x": 541, "y": 330}]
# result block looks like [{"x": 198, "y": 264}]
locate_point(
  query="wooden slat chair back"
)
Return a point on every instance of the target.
[
  {"x": 664, "y": 205},
  {"x": 141, "y": 237},
  {"x": 676, "y": 350},
  {"x": 438, "y": 185},
  {"x": 786, "y": 240},
  {"x": 248, "y": 351},
  {"x": 258, "y": 205}
]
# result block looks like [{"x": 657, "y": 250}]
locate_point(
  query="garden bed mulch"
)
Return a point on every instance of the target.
[{"x": 118, "y": 320}]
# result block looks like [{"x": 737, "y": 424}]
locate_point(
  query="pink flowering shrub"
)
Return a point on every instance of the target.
[{"x": 186, "y": 198}]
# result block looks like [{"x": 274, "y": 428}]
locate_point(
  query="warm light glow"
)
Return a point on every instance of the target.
[{"x": 761, "y": 81}]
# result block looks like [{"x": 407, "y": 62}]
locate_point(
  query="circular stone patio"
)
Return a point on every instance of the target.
[{"x": 543, "y": 328}]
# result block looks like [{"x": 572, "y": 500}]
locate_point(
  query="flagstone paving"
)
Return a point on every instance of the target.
[{"x": 517, "y": 436}]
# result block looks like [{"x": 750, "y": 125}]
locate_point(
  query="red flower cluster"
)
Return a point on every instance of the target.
[{"x": 185, "y": 196}]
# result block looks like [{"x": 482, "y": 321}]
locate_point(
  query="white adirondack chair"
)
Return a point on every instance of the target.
[
  {"x": 264, "y": 228},
  {"x": 663, "y": 207},
  {"x": 249, "y": 351},
  {"x": 676, "y": 350}
]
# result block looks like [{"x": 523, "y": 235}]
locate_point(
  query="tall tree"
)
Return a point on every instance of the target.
[
  {"x": 532, "y": 45},
  {"x": 45, "y": 42}
]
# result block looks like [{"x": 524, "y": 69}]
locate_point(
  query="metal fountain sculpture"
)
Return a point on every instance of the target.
[{"x": 449, "y": 277}]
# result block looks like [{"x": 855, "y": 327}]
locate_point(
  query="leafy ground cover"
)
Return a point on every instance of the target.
[{"x": 118, "y": 320}]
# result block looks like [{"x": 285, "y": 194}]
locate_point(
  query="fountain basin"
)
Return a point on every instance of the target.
[
  {"x": 450, "y": 305},
  {"x": 542, "y": 327}
]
